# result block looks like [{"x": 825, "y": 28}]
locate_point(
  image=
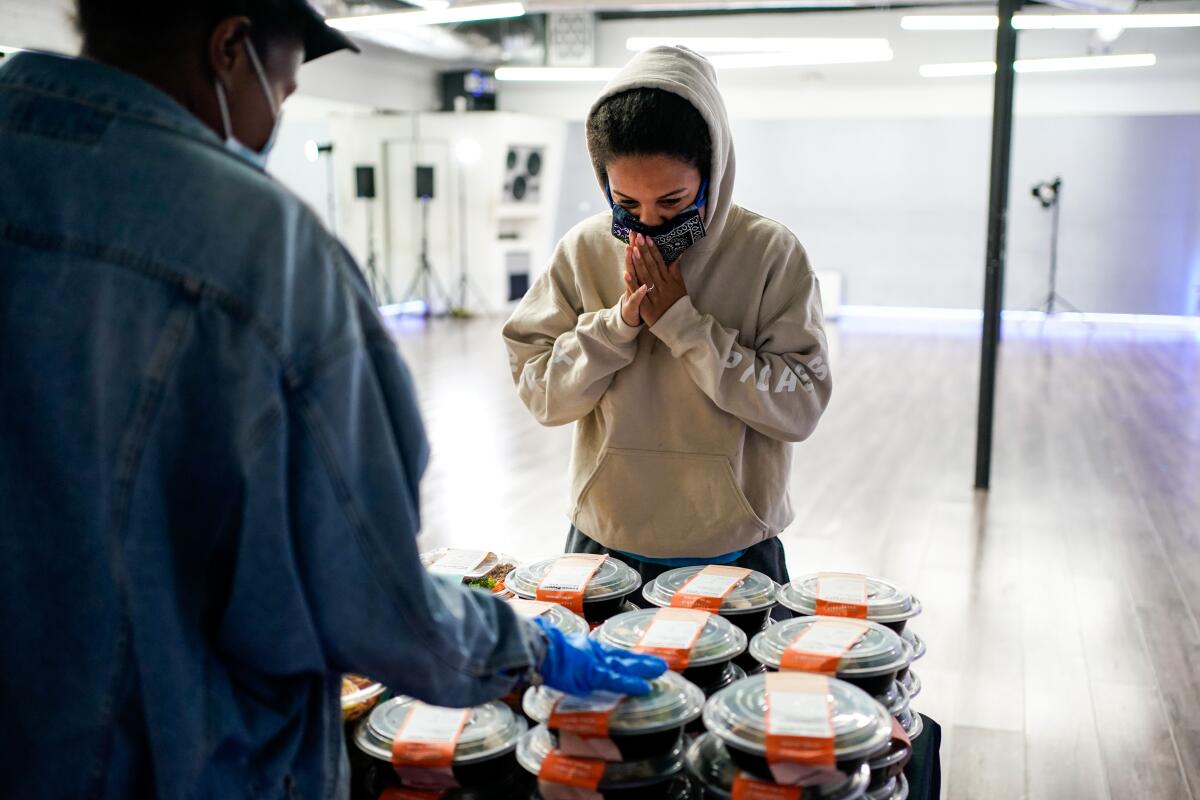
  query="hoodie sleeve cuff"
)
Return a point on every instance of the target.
[
  {"x": 616, "y": 328},
  {"x": 672, "y": 327}
]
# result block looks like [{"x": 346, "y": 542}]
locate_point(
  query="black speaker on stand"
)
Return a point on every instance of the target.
[
  {"x": 364, "y": 189},
  {"x": 425, "y": 286}
]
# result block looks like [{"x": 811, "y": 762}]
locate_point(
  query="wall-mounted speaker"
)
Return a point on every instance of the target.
[{"x": 523, "y": 174}]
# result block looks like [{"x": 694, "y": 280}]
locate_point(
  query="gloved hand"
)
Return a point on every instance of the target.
[{"x": 579, "y": 665}]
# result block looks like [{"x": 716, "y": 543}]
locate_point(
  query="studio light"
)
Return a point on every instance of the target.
[
  {"x": 311, "y": 151},
  {"x": 467, "y": 152}
]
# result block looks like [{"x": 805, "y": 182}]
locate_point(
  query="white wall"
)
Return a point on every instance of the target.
[
  {"x": 458, "y": 233},
  {"x": 899, "y": 206}
]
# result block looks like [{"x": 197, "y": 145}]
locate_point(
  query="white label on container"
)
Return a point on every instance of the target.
[
  {"x": 529, "y": 608},
  {"x": 711, "y": 585},
  {"x": 829, "y": 638},
  {"x": 433, "y": 724},
  {"x": 569, "y": 574},
  {"x": 799, "y": 714},
  {"x": 458, "y": 563},
  {"x": 673, "y": 634},
  {"x": 848, "y": 589}
]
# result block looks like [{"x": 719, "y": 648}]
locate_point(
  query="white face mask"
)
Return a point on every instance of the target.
[{"x": 257, "y": 158}]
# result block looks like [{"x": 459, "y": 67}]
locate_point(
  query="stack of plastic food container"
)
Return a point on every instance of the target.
[
  {"x": 742, "y": 596},
  {"x": 814, "y": 734},
  {"x": 595, "y": 587},
  {"x": 698, "y": 644},
  {"x": 869, "y": 660},
  {"x": 622, "y": 748},
  {"x": 467, "y": 754}
]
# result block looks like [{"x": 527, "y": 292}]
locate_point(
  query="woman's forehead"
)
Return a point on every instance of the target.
[{"x": 655, "y": 175}]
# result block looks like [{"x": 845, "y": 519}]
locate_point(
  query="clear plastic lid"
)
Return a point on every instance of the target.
[
  {"x": 709, "y": 764},
  {"x": 885, "y": 602},
  {"x": 539, "y": 742},
  {"x": 894, "y": 789},
  {"x": 914, "y": 642},
  {"x": 912, "y": 722},
  {"x": 911, "y": 683},
  {"x": 737, "y": 715},
  {"x": 489, "y": 571},
  {"x": 672, "y": 703},
  {"x": 491, "y": 730},
  {"x": 719, "y": 640},
  {"x": 558, "y": 616},
  {"x": 755, "y": 592},
  {"x": 613, "y": 578},
  {"x": 878, "y": 651},
  {"x": 895, "y": 699}
]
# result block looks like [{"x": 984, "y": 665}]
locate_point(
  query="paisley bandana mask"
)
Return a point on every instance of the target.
[{"x": 672, "y": 237}]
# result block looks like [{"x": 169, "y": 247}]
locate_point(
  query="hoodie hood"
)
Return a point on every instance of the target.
[{"x": 692, "y": 77}]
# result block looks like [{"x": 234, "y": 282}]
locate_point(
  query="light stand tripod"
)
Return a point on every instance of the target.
[
  {"x": 378, "y": 281},
  {"x": 1047, "y": 193},
  {"x": 468, "y": 152},
  {"x": 425, "y": 285}
]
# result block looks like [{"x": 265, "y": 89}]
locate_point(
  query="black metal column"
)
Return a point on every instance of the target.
[{"x": 993, "y": 292}]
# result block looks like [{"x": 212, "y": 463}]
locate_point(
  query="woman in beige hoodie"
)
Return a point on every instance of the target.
[{"x": 689, "y": 376}]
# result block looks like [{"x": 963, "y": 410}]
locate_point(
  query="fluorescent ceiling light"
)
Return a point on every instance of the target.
[
  {"x": 1041, "y": 65},
  {"x": 868, "y": 51},
  {"x": 556, "y": 74},
  {"x": 1046, "y": 22},
  {"x": 750, "y": 44},
  {"x": 369, "y": 23},
  {"x": 766, "y": 60}
]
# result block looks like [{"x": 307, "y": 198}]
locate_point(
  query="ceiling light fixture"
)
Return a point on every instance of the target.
[
  {"x": 1081, "y": 63},
  {"x": 1047, "y": 22},
  {"x": 374, "y": 23},
  {"x": 751, "y": 44},
  {"x": 556, "y": 74}
]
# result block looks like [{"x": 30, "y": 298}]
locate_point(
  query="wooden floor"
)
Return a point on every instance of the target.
[{"x": 1061, "y": 610}]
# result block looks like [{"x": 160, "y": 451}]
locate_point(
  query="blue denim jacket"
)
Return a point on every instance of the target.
[{"x": 209, "y": 460}]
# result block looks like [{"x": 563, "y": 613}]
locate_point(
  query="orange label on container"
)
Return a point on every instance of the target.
[
  {"x": 423, "y": 749},
  {"x": 821, "y": 646},
  {"x": 586, "y": 716},
  {"x": 799, "y": 721},
  {"x": 672, "y": 634},
  {"x": 709, "y": 587},
  {"x": 582, "y": 773},
  {"x": 564, "y": 583},
  {"x": 841, "y": 594},
  {"x": 748, "y": 788}
]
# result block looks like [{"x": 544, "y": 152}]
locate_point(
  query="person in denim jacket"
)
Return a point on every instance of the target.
[{"x": 209, "y": 448}]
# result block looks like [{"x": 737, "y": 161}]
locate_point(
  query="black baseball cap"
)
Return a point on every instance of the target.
[{"x": 319, "y": 38}]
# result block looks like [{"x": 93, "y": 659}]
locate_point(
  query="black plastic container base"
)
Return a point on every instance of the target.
[
  {"x": 750, "y": 623},
  {"x": 599, "y": 611},
  {"x": 672, "y": 789},
  {"x": 645, "y": 746},
  {"x": 757, "y": 765}
]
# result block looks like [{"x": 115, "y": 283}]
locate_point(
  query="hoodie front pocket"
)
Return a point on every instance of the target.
[{"x": 667, "y": 505}]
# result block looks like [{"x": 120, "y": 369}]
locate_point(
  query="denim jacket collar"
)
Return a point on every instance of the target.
[{"x": 104, "y": 88}]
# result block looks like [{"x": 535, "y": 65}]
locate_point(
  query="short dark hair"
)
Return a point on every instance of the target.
[
  {"x": 649, "y": 122},
  {"x": 145, "y": 27}
]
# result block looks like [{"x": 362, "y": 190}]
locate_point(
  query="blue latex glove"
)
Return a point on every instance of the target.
[{"x": 579, "y": 665}]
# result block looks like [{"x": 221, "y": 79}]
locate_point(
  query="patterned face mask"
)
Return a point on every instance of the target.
[{"x": 673, "y": 236}]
